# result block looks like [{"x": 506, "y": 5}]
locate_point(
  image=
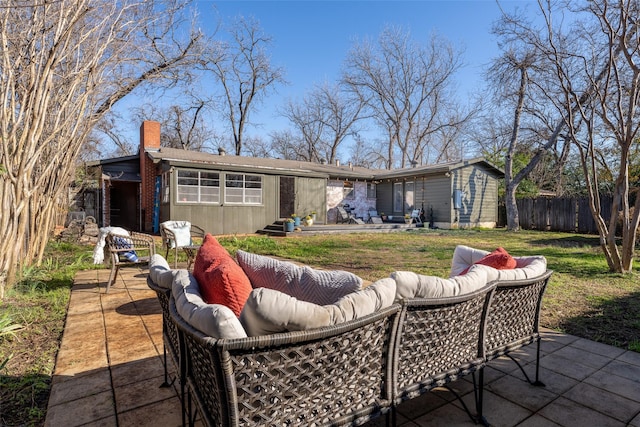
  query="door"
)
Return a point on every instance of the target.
[{"x": 287, "y": 196}]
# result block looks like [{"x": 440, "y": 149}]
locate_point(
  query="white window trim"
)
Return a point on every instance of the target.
[
  {"x": 244, "y": 201},
  {"x": 199, "y": 187}
]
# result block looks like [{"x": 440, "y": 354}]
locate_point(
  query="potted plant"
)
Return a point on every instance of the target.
[
  {"x": 308, "y": 220},
  {"x": 407, "y": 218},
  {"x": 313, "y": 215},
  {"x": 288, "y": 225},
  {"x": 296, "y": 220},
  {"x": 383, "y": 216}
]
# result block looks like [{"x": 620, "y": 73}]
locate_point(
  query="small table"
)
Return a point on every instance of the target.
[{"x": 191, "y": 251}]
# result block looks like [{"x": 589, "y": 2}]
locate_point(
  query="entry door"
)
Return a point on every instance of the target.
[{"x": 287, "y": 196}]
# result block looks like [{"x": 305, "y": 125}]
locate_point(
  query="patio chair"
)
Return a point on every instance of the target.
[
  {"x": 128, "y": 250},
  {"x": 415, "y": 217},
  {"x": 374, "y": 218},
  {"x": 346, "y": 217},
  {"x": 179, "y": 235}
]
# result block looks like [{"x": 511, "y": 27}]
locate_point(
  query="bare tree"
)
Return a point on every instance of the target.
[
  {"x": 324, "y": 119},
  {"x": 407, "y": 88},
  {"x": 185, "y": 125},
  {"x": 606, "y": 112},
  {"x": 595, "y": 65},
  {"x": 64, "y": 65},
  {"x": 245, "y": 72}
]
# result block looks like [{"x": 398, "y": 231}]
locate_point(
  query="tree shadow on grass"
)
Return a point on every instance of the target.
[{"x": 614, "y": 321}]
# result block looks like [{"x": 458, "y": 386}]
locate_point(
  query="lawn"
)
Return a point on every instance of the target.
[{"x": 582, "y": 298}]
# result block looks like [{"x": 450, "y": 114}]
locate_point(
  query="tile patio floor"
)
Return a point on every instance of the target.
[{"x": 109, "y": 369}]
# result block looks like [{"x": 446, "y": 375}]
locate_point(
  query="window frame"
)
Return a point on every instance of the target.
[
  {"x": 250, "y": 189},
  {"x": 199, "y": 194}
]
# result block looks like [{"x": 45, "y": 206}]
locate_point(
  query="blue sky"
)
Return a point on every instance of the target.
[{"x": 312, "y": 38}]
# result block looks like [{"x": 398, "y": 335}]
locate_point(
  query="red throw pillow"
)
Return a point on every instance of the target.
[
  {"x": 498, "y": 259},
  {"x": 220, "y": 278}
]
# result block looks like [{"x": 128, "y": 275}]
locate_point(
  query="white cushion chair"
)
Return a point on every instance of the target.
[{"x": 179, "y": 235}]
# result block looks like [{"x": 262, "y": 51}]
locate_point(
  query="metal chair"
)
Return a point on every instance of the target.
[
  {"x": 180, "y": 235},
  {"x": 128, "y": 250}
]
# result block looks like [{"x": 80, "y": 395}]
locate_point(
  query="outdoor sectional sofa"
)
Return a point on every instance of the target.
[{"x": 286, "y": 361}]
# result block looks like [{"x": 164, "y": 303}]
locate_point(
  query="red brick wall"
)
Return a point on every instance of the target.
[{"x": 149, "y": 139}]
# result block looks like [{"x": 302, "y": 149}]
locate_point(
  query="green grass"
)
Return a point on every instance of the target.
[
  {"x": 583, "y": 297},
  {"x": 38, "y": 303}
]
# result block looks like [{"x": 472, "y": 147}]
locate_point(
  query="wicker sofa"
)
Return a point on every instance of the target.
[{"x": 344, "y": 373}]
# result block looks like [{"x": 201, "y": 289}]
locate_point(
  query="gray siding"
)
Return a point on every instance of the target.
[
  {"x": 232, "y": 219},
  {"x": 311, "y": 195},
  {"x": 435, "y": 193},
  {"x": 480, "y": 191}
]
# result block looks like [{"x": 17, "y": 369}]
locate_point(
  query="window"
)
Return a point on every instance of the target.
[
  {"x": 198, "y": 187},
  {"x": 347, "y": 190},
  {"x": 371, "y": 191},
  {"x": 243, "y": 189}
]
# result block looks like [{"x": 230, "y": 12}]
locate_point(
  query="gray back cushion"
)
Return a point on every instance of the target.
[{"x": 304, "y": 283}]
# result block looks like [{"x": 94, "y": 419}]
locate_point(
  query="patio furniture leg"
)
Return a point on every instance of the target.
[
  {"x": 166, "y": 382},
  {"x": 112, "y": 276},
  {"x": 479, "y": 394},
  {"x": 537, "y": 381}
]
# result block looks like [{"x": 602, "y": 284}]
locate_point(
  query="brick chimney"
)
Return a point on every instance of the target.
[{"x": 149, "y": 141}]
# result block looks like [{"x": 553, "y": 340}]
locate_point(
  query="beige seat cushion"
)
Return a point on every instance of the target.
[
  {"x": 269, "y": 311},
  {"x": 413, "y": 285},
  {"x": 214, "y": 320},
  {"x": 527, "y": 267}
]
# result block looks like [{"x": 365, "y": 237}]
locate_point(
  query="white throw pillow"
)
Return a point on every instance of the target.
[
  {"x": 182, "y": 232},
  {"x": 413, "y": 285},
  {"x": 268, "y": 311},
  {"x": 304, "y": 283},
  {"x": 214, "y": 320}
]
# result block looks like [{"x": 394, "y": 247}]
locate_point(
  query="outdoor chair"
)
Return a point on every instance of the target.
[
  {"x": 374, "y": 218},
  {"x": 178, "y": 235},
  {"x": 346, "y": 217},
  {"x": 128, "y": 250},
  {"x": 513, "y": 320},
  {"x": 415, "y": 217},
  {"x": 440, "y": 341}
]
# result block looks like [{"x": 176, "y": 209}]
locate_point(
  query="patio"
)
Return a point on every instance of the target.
[{"x": 109, "y": 370}]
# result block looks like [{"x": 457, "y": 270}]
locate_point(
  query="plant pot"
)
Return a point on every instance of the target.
[
  {"x": 313, "y": 217},
  {"x": 296, "y": 221},
  {"x": 308, "y": 222},
  {"x": 288, "y": 227}
]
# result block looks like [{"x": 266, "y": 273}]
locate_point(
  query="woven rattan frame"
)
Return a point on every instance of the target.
[
  {"x": 142, "y": 244},
  {"x": 514, "y": 317},
  {"x": 328, "y": 376},
  {"x": 440, "y": 340}
]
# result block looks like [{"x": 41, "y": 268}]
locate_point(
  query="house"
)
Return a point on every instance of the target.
[{"x": 227, "y": 194}]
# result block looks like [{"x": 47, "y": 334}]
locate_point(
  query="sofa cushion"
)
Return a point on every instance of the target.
[
  {"x": 160, "y": 272},
  {"x": 320, "y": 287},
  {"x": 269, "y": 311},
  {"x": 527, "y": 267},
  {"x": 220, "y": 278},
  {"x": 498, "y": 259},
  {"x": 413, "y": 285},
  {"x": 214, "y": 320}
]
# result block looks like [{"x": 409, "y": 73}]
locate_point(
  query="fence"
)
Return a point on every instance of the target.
[{"x": 558, "y": 214}]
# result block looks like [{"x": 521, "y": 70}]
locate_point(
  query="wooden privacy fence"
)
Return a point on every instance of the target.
[{"x": 570, "y": 214}]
